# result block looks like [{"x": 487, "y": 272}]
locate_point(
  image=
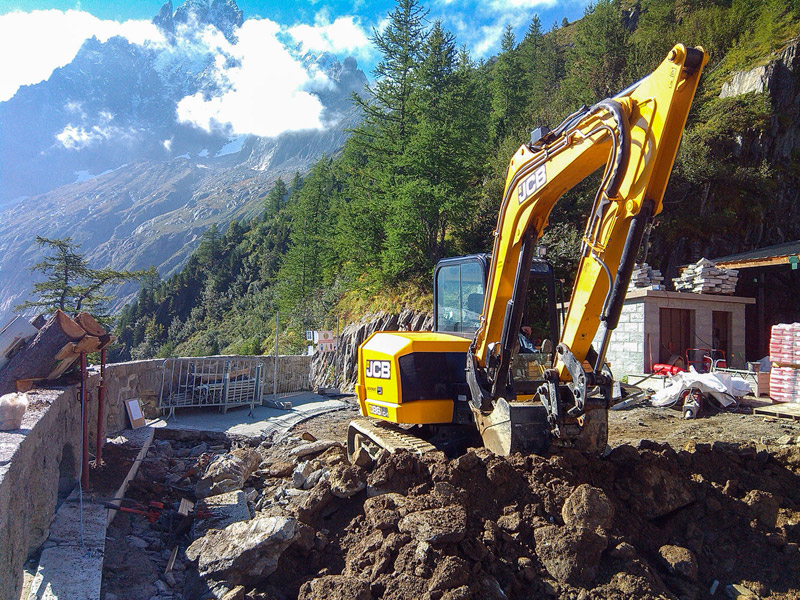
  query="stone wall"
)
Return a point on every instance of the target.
[
  {"x": 36, "y": 463},
  {"x": 339, "y": 368},
  {"x": 626, "y": 349}
]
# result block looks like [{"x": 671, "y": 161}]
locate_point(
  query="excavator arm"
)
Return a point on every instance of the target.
[{"x": 636, "y": 136}]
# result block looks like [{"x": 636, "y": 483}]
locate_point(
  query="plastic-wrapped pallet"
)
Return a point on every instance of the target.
[{"x": 784, "y": 353}]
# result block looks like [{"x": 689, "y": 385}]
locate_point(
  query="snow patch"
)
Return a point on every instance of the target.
[{"x": 233, "y": 146}]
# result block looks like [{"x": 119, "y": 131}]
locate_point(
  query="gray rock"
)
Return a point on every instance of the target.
[
  {"x": 228, "y": 472},
  {"x": 437, "y": 526},
  {"x": 244, "y": 552},
  {"x": 301, "y": 473},
  {"x": 313, "y": 448},
  {"x": 588, "y": 507},
  {"x": 137, "y": 541},
  {"x": 315, "y": 478}
]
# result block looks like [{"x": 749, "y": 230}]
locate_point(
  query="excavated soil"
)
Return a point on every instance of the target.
[{"x": 714, "y": 504}]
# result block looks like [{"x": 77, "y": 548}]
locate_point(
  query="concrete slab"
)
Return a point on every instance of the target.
[
  {"x": 71, "y": 564},
  {"x": 266, "y": 421},
  {"x": 67, "y": 567}
]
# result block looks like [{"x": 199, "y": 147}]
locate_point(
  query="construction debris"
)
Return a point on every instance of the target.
[
  {"x": 704, "y": 277},
  {"x": 644, "y": 521}
]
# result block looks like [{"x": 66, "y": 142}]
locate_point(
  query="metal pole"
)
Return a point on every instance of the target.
[
  {"x": 101, "y": 400},
  {"x": 275, "y": 360},
  {"x": 85, "y": 426}
]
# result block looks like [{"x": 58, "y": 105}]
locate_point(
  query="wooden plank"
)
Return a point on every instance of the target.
[
  {"x": 67, "y": 351},
  {"x": 785, "y": 410}
]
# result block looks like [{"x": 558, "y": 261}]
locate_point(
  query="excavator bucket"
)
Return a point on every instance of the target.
[
  {"x": 523, "y": 427},
  {"x": 514, "y": 427}
]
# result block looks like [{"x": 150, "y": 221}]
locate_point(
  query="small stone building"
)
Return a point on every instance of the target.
[{"x": 656, "y": 325}]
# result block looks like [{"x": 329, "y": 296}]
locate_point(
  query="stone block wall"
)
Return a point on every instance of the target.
[
  {"x": 626, "y": 349},
  {"x": 43, "y": 458},
  {"x": 36, "y": 463}
]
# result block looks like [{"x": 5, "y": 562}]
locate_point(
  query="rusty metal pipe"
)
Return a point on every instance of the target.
[
  {"x": 85, "y": 426},
  {"x": 101, "y": 401}
]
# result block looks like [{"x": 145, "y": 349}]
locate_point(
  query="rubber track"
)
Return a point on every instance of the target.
[{"x": 390, "y": 437}]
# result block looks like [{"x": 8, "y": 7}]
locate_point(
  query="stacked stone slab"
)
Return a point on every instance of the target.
[
  {"x": 644, "y": 277},
  {"x": 704, "y": 277},
  {"x": 784, "y": 353}
]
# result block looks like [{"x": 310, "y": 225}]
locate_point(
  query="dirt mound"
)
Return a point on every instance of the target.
[
  {"x": 641, "y": 522},
  {"x": 646, "y": 522}
]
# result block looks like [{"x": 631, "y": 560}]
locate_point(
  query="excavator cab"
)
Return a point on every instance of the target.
[{"x": 459, "y": 287}]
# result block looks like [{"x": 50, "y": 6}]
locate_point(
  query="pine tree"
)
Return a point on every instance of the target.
[
  {"x": 506, "y": 88},
  {"x": 71, "y": 285},
  {"x": 600, "y": 53},
  {"x": 275, "y": 199}
]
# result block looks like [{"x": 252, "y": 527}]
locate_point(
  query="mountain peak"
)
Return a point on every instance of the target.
[{"x": 225, "y": 15}]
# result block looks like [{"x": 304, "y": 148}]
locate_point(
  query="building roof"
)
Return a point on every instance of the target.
[{"x": 780, "y": 254}]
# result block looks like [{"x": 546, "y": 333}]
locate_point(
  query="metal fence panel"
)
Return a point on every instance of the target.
[{"x": 222, "y": 381}]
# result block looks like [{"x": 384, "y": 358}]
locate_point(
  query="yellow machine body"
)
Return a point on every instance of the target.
[{"x": 396, "y": 373}]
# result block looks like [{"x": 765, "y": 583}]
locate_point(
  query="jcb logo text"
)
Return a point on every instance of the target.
[{"x": 379, "y": 369}]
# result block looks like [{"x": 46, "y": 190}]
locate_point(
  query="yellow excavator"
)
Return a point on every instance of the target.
[{"x": 427, "y": 390}]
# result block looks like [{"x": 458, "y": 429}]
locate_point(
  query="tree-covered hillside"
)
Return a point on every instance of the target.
[{"x": 421, "y": 178}]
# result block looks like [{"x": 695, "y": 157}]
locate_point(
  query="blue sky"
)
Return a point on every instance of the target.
[{"x": 38, "y": 36}]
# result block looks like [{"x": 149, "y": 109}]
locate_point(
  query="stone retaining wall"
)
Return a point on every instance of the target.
[{"x": 35, "y": 462}]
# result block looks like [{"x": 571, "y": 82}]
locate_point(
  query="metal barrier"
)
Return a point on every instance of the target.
[{"x": 214, "y": 381}]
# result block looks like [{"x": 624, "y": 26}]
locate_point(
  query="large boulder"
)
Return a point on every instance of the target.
[
  {"x": 335, "y": 587},
  {"x": 244, "y": 552},
  {"x": 228, "y": 472},
  {"x": 570, "y": 554},
  {"x": 588, "y": 507}
]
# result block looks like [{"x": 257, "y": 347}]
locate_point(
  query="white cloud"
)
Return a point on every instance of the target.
[
  {"x": 489, "y": 39},
  {"x": 344, "y": 35},
  {"x": 75, "y": 137},
  {"x": 264, "y": 87},
  {"x": 33, "y": 44}
]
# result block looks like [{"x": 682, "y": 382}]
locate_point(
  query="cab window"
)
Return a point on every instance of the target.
[{"x": 459, "y": 297}]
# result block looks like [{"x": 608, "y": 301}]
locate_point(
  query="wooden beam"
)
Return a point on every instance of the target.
[{"x": 769, "y": 261}]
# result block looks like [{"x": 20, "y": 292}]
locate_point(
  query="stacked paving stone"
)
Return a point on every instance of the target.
[
  {"x": 704, "y": 277},
  {"x": 644, "y": 277},
  {"x": 784, "y": 353}
]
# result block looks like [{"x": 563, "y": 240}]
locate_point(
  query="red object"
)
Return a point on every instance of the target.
[
  {"x": 85, "y": 416},
  {"x": 662, "y": 369},
  {"x": 101, "y": 401}
]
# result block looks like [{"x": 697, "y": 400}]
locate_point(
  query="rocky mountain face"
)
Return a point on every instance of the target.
[{"x": 97, "y": 152}]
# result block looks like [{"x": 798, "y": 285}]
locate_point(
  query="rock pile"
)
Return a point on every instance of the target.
[
  {"x": 643, "y": 522},
  {"x": 704, "y": 277}
]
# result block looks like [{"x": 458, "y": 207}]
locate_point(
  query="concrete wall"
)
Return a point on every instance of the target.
[
  {"x": 43, "y": 458},
  {"x": 638, "y": 336}
]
